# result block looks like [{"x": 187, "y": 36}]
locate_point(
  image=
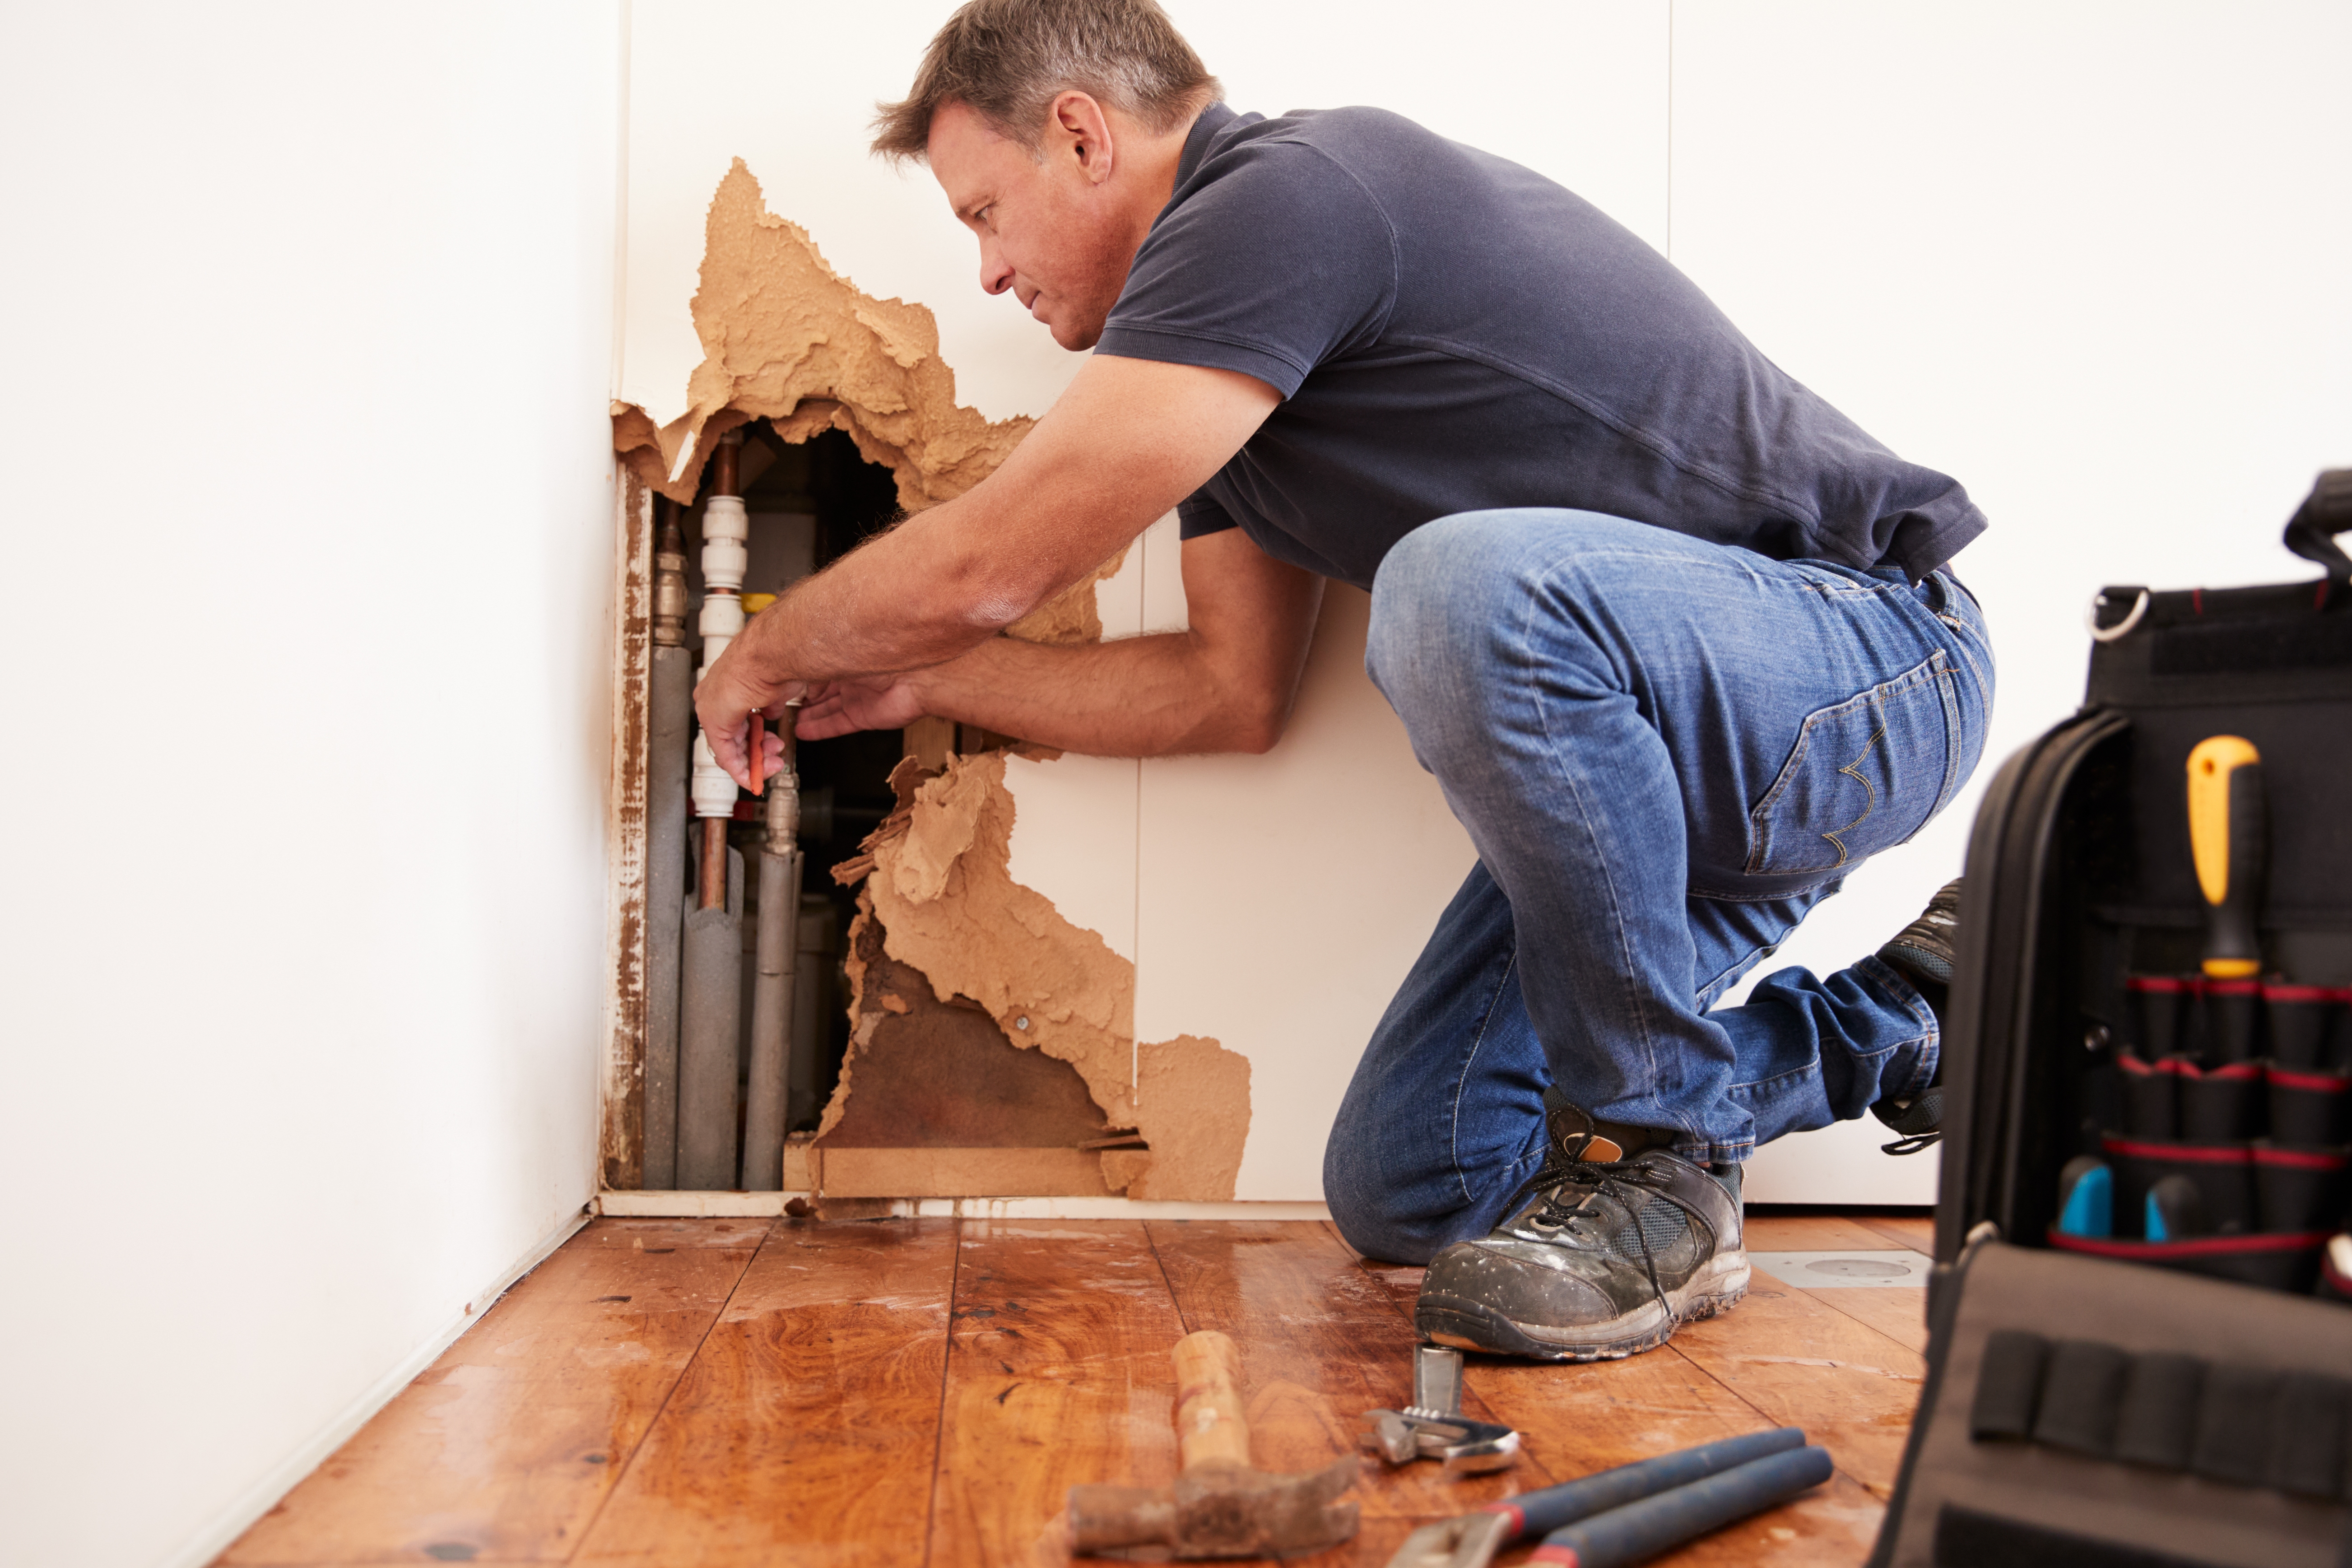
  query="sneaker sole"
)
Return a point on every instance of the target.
[{"x": 1469, "y": 1325}]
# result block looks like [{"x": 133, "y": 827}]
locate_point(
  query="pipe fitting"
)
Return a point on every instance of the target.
[{"x": 714, "y": 793}]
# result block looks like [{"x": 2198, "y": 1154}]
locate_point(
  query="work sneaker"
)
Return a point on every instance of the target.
[
  {"x": 1923, "y": 952},
  {"x": 1609, "y": 1257},
  {"x": 1925, "y": 949}
]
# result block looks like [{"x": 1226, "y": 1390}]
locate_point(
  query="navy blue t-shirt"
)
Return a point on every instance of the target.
[{"x": 1452, "y": 332}]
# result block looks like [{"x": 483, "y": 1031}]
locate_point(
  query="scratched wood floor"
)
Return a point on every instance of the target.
[{"x": 741, "y": 1392}]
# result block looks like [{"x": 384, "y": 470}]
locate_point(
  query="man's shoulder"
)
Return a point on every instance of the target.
[{"x": 1357, "y": 140}]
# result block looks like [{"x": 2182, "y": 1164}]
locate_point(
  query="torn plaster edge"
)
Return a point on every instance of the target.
[
  {"x": 758, "y": 1206},
  {"x": 1075, "y": 822},
  {"x": 209, "y": 1541},
  {"x": 751, "y": 301},
  {"x": 621, "y": 1106},
  {"x": 1081, "y": 993}
]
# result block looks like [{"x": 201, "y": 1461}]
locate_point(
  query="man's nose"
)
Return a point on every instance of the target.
[{"x": 995, "y": 273}]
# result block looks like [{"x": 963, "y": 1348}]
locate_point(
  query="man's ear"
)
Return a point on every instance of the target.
[{"x": 1082, "y": 131}]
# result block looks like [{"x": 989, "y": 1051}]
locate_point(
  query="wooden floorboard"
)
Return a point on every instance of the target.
[
  {"x": 927, "y": 1391},
  {"x": 1899, "y": 1314},
  {"x": 807, "y": 1429},
  {"x": 1057, "y": 1374},
  {"x": 1817, "y": 1233},
  {"x": 505, "y": 1448},
  {"x": 1916, "y": 1232},
  {"x": 1801, "y": 1364}
]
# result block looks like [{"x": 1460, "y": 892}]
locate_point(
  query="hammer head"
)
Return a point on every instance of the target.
[{"x": 1219, "y": 1510}]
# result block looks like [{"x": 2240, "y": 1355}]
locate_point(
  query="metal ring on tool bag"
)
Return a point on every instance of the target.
[{"x": 2109, "y": 634}]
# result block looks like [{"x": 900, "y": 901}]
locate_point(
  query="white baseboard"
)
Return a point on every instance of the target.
[
  {"x": 259, "y": 1498},
  {"x": 728, "y": 1205}
]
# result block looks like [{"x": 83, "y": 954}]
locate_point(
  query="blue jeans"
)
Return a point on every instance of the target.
[{"x": 1666, "y": 752}]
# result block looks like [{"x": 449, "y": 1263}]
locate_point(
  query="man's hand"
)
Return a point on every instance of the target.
[
  {"x": 733, "y": 691},
  {"x": 839, "y": 707},
  {"x": 1127, "y": 441}
]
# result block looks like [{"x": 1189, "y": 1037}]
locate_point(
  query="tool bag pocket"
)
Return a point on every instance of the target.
[
  {"x": 2310, "y": 1109},
  {"x": 1864, "y": 775},
  {"x": 2223, "y": 1174},
  {"x": 2079, "y": 1410},
  {"x": 2310, "y": 1029},
  {"x": 2222, "y": 1104},
  {"x": 2298, "y": 1190},
  {"x": 2151, "y": 1097}
]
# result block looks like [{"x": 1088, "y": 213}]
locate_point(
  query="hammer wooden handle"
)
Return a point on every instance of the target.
[{"x": 1210, "y": 1428}]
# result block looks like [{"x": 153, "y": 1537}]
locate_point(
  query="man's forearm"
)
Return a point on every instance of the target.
[{"x": 1138, "y": 697}]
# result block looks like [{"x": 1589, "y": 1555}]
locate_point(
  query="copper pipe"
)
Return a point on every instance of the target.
[
  {"x": 713, "y": 892},
  {"x": 723, "y": 469}
]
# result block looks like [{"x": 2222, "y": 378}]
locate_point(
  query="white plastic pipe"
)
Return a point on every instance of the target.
[{"x": 726, "y": 529}]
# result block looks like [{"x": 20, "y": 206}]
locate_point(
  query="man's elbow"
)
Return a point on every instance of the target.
[
  {"x": 1256, "y": 727},
  {"x": 986, "y": 595}
]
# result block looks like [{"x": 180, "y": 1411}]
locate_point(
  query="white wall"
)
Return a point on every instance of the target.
[
  {"x": 2087, "y": 258},
  {"x": 308, "y": 333}
]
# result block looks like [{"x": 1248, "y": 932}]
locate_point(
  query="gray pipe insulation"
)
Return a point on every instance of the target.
[
  {"x": 710, "y": 1021},
  {"x": 772, "y": 1022},
  {"x": 671, "y": 736}
]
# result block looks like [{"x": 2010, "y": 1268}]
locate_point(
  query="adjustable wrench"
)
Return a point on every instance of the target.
[{"x": 1433, "y": 1428}]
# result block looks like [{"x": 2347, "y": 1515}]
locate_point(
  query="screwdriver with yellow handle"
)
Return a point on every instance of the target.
[{"x": 2230, "y": 836}]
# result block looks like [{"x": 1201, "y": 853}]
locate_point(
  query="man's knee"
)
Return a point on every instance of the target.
[
  {"x": 1374, "y": 1210},
  {"x": 1389, "y": 1215},
  {"x": 1435, "y": 598},
  {"x": 1379, "y": 1230}
]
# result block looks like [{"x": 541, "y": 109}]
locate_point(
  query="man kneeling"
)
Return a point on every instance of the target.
[{"x": 1673, "y": 634}]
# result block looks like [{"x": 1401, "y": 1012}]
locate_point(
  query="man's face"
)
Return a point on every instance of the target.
[{"x": 1052, "y": 225}]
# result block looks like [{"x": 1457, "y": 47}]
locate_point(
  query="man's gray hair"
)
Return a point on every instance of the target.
[{"x": 1008, "y": 59}]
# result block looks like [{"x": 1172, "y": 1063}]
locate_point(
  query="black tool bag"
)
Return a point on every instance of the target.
[{"x": 2179, "y": 1390}]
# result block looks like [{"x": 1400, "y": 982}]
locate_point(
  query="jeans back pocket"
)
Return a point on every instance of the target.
[{"x": 1866, "y": 774}]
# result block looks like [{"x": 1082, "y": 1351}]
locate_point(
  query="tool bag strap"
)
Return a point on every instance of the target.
[{"x": 2311, "y": 532}]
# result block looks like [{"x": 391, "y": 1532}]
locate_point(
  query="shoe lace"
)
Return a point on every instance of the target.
[{"x": 1620, "y": 1185}]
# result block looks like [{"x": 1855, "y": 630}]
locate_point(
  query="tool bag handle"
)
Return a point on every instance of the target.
[{"x": 2311, "y": 532}]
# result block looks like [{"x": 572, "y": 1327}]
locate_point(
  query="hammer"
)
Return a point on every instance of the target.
[{"x": 1219, "y": 1507}]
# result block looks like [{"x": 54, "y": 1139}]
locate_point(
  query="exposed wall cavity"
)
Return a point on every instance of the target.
[
  {"x": 957, "y": 970},
  {"x": 936, "y": 885}
]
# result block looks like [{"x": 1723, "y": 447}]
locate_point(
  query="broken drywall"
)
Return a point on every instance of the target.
[
  {"x": 935, "y": 871},
  {"x": 1192, "y": 1110},
  {"x": 787, "y": 339},
  {"x": 936, "y": 881}
]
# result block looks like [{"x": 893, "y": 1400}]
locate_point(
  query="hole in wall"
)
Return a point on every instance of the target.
[{"x": 810, "y": 503}]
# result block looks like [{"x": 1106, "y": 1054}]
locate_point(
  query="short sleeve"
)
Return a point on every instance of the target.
[
  {"x": 1274, "y": 259},
  {"x": 1197, "y": 517}
]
